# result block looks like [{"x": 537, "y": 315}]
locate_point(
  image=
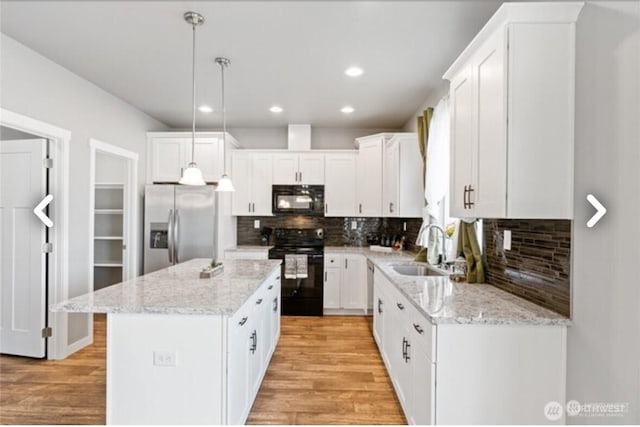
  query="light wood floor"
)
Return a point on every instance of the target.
[{"x": 324, "y": 371}]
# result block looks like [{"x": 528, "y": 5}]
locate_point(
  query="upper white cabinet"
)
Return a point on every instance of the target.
[
  {"x": 340, "y": 184},
  {"x": 298, "y": 168},
  {"x": 169, "y": 153},
  {"x": 512, "y": 113},
  {"x": 369, "y": 175},
  {"x": 252, "y": 176},
  {"x": 402, "y": 189}
]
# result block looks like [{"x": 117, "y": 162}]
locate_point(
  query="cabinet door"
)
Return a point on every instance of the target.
[
  {"x": 285, "y": 169},
  {"x": 241, "y": 173},
  {"x": 379, "y": 309},
  {"x": 208, "y": 154},
  {"x": 238, "y": 382},
  {"x": 331, "y": 296},
  {"x": 390, "y": 181},
  {"x": 423, "y": 387},
  {"x": 274, "y": 314},
  {"x": 311, "y": 169},
  {"x": 168, "y": 159},
  {"x": 354, "y": 282},
  {"x": 370, "y": 179},
  {"x": 395, "y": 343},
  {"x": 462, "y": 144},
  {"x": 490, "y": 190},
  {"x": 340, "y": 185},
  {"x": 261, "y": 181}
]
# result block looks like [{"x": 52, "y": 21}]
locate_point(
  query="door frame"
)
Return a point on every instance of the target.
[
  {"x": 130, "y": 219},
  {"x": 58, "y": 271}
]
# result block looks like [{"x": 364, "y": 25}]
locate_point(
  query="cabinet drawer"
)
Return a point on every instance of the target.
[
  {"x": 333, "y": 261},
  {"x": 422, "y": 332}
]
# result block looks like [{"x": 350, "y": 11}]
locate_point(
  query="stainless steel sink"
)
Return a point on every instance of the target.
[{"x": 416, "y": 270}]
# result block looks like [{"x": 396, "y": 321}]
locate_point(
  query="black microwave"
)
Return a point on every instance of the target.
[{"x": 298, "y": 199}]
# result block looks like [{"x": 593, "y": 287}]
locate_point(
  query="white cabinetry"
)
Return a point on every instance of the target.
[
  {"x": 169, "y": 153},
  {"x": 497, "y": 374},
  {"x": 252, "y": 336},
  {"x": 345, "y": 283},
  {"x": 252, "y": 174},
  {"x": 512, "y": 112},
  {"x": 298, "y": 169},
  {"x": 402, "y": 189},
  {"x": 369, "y": 176},
  {"x": 340, "y": 184}
]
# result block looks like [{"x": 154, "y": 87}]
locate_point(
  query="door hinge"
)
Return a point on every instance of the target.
[
  {"x": 47, "y": 332},
  {"x": 47, "y": 248},
  {"x": 47, "y": 163}
]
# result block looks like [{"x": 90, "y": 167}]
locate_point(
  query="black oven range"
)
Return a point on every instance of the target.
[{"x": 301, "y": 296}]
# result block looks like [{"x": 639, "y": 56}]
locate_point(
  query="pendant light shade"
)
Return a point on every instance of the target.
[
  {"x": 192, "y": 174},
  {"x": 224, "y": 184}
]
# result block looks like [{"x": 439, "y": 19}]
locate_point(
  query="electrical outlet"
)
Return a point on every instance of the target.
[
  {"x": 164, "y": 358},
  {"x": 404, "y": 226},
  {"x": 506, "y": 241},
  {"x": 354, "y": 225},
  {"x": 256, "y": 223}
]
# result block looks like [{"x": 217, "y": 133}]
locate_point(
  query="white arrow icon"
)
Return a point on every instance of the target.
[
  {"x": 39, "y": 211},
  {"x": 601, "y": 210}
]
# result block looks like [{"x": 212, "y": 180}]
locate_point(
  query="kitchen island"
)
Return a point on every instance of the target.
[{"x": 185, "y": 350}]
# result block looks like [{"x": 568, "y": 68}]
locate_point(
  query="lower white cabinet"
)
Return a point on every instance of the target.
[
  {"x": 345, "y": 282},
  {"x": 486, "y": 373},
  {"x": 252, "y": 336}
]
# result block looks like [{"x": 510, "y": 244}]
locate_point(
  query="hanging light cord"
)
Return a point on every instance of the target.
[
  {"x": 193, "y": 97},
  {"x": 224, "y": 121}
]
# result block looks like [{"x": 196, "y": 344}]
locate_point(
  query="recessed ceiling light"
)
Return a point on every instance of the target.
[
  {"x": 205, "y": 109},
  {"x": 353, "y": 71},
  {"x": 276, "y": 109},
  {"x": 347, "y": 109}
]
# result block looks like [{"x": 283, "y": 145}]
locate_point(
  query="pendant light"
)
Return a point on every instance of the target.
[
  {"x": 193, "y": 175},
  {"x": 225, "y": 183}
]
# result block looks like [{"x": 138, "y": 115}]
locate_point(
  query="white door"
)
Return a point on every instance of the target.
[
  {"x": 370, "y": 179},
  {"x": 285, "y": 169},
  {"x": 340, "y": 185},
  {"x": 311, "y": 169},
  {"x": 22, "y": 236}
]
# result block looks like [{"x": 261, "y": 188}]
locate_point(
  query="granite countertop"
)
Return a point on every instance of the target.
[
  {"x": 249, "y": 248},
  {"x": 179, "y": 290},
  {"x": 444, "y": 301}
]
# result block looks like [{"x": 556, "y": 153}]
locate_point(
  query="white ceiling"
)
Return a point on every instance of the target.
[{"x": 282, "y": 52}]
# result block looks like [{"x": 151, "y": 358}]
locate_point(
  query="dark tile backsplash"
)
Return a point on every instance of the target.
[
  {"x": 337, "y": 230},
  {"x": 538, "y": 265}
]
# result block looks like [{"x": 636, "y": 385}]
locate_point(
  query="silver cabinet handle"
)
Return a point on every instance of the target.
[
  {"x": 270, "y": 287},
  {"x": 300, "y": 176},
  {"x": 465, "y": 204},
  {"x": 390, "y": 207},
  {"x": 253, "y": 207},
  {"x": 325, "y": 275},
  {"x": 275, "y": 304},
  {"x": 360, "y": 208},
  {"x": 170, "y": 235},
  {"x": 418, "y": 328},
  {"x": 470, "y": 190},
  {"x": 346, "y": 263},
  {"x": 243, "y": 321},
  {"x": 326, "y": 208},
  {"x": 249, "y": 208},
  {"x": 176, "y": 236},
  {"x": 400, "y": 306},
  {"x": 259, "y": 301}
]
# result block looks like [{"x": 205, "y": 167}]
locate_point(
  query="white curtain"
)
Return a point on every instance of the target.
[{"x": 437, "y": 170}]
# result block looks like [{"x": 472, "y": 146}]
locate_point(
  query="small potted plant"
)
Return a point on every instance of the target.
[{"x": 212, "y": 269}]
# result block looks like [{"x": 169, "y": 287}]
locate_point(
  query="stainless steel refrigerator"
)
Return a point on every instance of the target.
[{"x": 179, "y": 224}]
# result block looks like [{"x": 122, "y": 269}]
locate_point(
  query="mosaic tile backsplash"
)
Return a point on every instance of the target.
[
  {"x": 538, "y": 265},
  {"x": 337, "y": 231}
]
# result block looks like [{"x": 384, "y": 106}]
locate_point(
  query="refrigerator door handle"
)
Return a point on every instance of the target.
[
  {"x": 170, "y": 235},
  {"x": 176, "y": 236}
]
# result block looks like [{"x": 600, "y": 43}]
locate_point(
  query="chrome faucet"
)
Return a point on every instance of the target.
[{"x": 423, "y": 239}]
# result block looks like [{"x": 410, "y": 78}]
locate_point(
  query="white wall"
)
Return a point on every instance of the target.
[
  {"x": 322, "y": 138},
  {"x": 36, "y": 87},
  {"x": 432, "y": 100},
  {"x": 604, "y": 342}
]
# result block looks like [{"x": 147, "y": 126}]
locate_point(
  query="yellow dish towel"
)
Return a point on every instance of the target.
[{"x": 469, "y": 248}]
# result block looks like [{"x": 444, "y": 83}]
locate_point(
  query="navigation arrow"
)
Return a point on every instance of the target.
[
  {"x": 39, "y": 211},
  {"x": 600, "y": 210}
]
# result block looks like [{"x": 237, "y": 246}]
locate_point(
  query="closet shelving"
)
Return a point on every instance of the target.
[{"x": 108, "y": 234}]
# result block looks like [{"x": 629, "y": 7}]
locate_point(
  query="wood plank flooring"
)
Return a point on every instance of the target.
[{"x": 324, "y": 371}]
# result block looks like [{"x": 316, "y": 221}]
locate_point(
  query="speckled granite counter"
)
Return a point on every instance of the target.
[
  {"x": 444, "y": 301},
  {"x": 249, "y": 248},
  {"x": 178, "y": 290}
]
